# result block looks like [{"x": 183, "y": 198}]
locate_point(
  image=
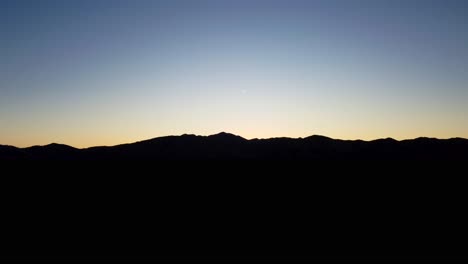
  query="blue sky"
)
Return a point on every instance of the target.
[{"x": 107, "y": 72}]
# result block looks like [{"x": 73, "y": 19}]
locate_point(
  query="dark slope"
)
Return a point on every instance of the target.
[
  {"x": 52, "y": 151},
  {"x": 8, "y": 153},
  {"x": 185, "y": 147}
]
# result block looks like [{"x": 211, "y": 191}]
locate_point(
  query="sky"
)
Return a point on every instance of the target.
[{"x": 105, "y": 72}]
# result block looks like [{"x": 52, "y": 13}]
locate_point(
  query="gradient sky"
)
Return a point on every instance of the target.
[{"x": 96, "y": 72}]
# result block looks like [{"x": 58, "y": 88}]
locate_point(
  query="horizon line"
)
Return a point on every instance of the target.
[{"x": 231, "y": 134}]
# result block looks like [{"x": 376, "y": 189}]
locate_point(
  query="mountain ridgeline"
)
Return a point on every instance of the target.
[
  {"x": 312, "y": 198},
  {"x": 225, "y": 146}
]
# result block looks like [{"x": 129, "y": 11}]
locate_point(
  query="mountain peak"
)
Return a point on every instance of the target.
[
  {"x": 227, "y": 136},
  {"x": 318, "y": 137},
  {"x": 56, "y": 145},
  {"x": 385, "y": 140}
]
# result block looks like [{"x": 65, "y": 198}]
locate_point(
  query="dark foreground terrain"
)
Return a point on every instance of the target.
[{"x": 224, "y": 198}]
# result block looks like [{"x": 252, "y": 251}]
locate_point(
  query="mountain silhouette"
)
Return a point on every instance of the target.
[
  {"x": 223, "y": 197},
  {"x": 226, "y": 146}
]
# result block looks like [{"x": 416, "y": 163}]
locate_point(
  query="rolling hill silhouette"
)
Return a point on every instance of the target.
[
  {"x": 223, "y": 197},
  {"x": 225, "y": 146}
]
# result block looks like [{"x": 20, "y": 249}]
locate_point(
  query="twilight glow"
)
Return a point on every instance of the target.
[{"x": 104, "y": 72}]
